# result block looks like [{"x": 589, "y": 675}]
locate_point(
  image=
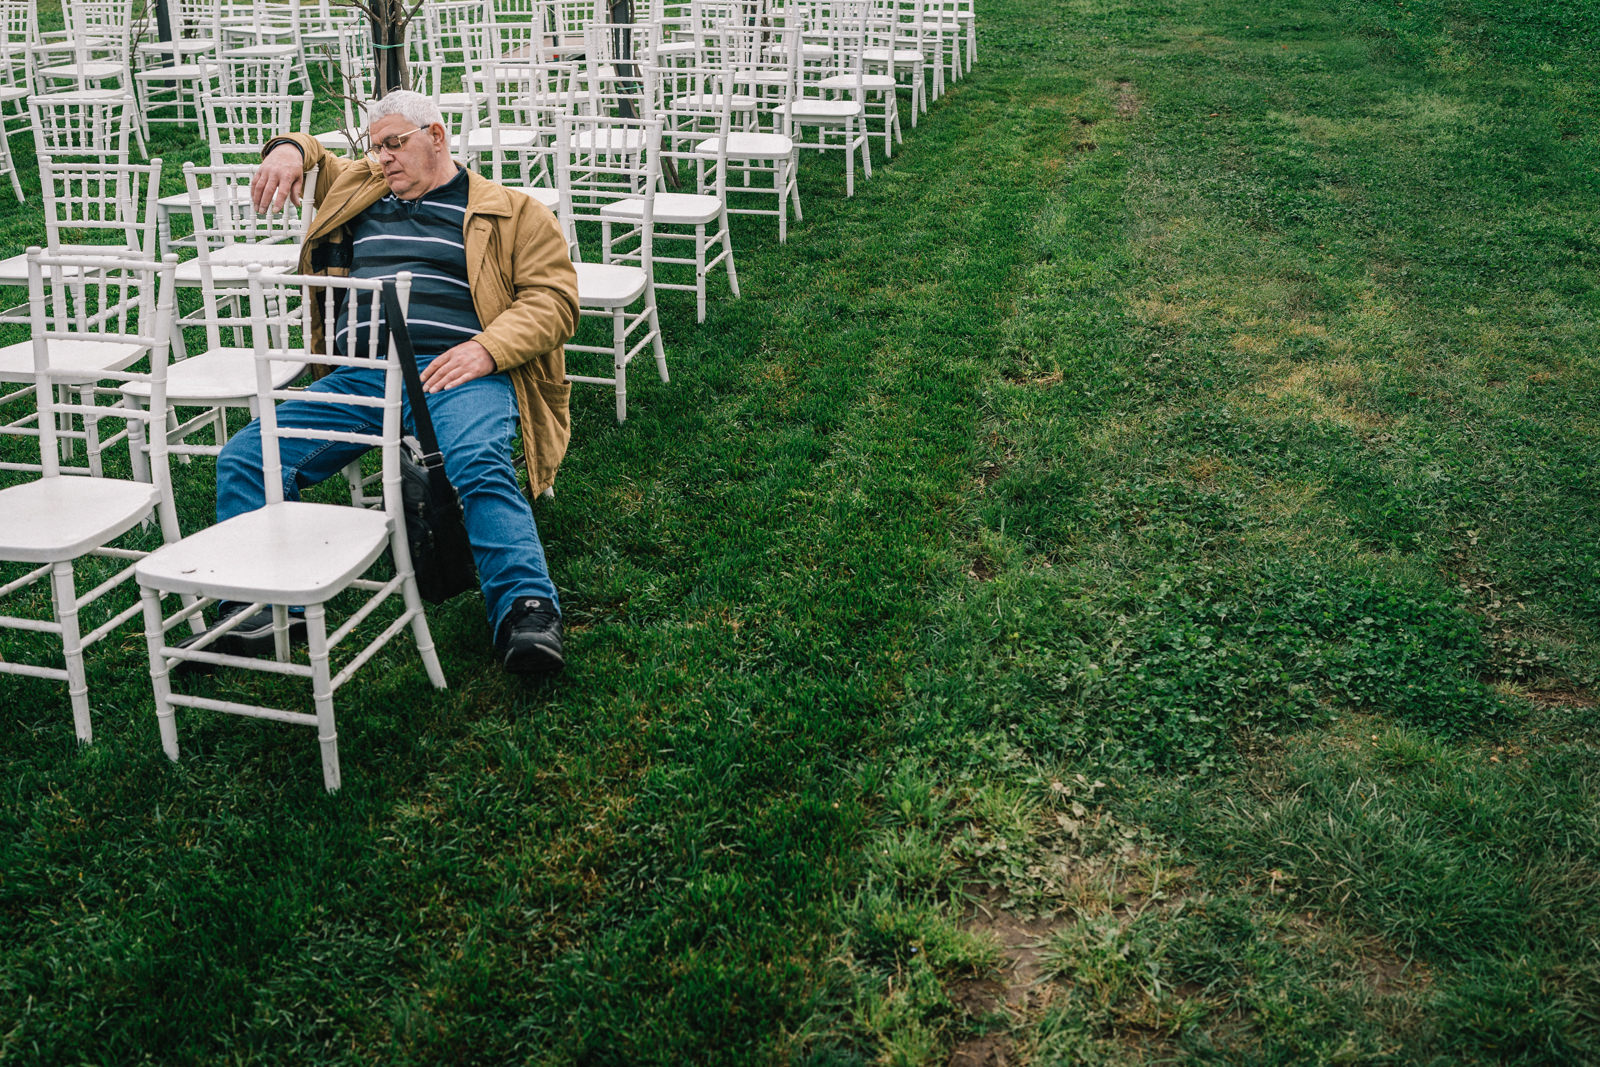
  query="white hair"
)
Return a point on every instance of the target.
[{"x": 412, "y": 106}]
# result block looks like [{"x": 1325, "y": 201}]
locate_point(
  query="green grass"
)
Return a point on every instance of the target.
[{"x": 1122, "y": 588}]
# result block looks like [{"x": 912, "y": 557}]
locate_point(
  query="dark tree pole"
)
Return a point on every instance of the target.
[{"x": 389, "y": 19}]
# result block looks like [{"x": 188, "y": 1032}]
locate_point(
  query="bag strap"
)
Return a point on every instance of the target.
[{"x": 394, "y": 321}]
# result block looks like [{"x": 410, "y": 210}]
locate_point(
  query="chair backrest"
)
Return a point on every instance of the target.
[
  {"x": 233, "y": 219},
  {"x": 840, "y": 26},
  {"x": 601, "y": 159},
  {"x": 320, "y": 298},
  {"x": 695, "y": 103},
  {"x": 355, "y": 79},
  {"x": 878, "y": 39},
  {"x": 101, "y": 28},
  {"x": 515, "y": 32},
  {"x": 522, "y": 101},
  {"x": 79, "y": 128},
  {"x": 18, "y": 24},
  {"x": 97, "y": 32},
  {"x": 455, "y": 31},
  {"x": 765, "y": 61},
  {"x": 91, "y": 202},
  {"x": 911, "y": 25},
  {"x": 619, "y": 70},
  {"x": 240, "y": 72},
  {"x": 239, "y": 125},
  {"x": 124, "y": 319},
  {"x": 192, "y": 18},
  {"x": 569, "y": 20}
]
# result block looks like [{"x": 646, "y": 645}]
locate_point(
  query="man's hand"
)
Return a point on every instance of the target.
[
  {"x": 464, "y": 362},
  {"x": 278, "y": 180}
]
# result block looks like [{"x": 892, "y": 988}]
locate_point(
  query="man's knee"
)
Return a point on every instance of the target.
[
  {"x": 479, "y": 464},
  {"x": 241, "y": 456}
]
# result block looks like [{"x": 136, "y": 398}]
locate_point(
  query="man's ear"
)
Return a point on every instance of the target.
[{"x": 443, "y": 135}]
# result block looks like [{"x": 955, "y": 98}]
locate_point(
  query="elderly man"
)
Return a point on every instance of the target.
[{"x": 494, "y": 297}]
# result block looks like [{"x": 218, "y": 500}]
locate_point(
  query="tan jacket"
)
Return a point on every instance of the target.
[{"x": 524, "y": 287}]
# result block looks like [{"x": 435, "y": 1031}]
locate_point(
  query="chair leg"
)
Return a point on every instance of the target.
[
  {"x": 137, "y": 459},
  {"x": 619, "y": 360},
  {"x": 780, "y": 178},
  {"x": 700, "y": 273},
  {"x": 794, "y": 186},
  {"x": 160, "y": 679},
  {"x": 655, "y": 330},
  {"x": 727, "y": 246},
  {"x": 422, "y": 635},
  {"x": 65, "y": 595},
  {"x": 849, "y": 165},
  {"x": 322, "y": 693},
  {"x": 280, "y": 633}
]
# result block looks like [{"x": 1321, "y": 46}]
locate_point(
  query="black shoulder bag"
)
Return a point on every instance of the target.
[{"x": 441, "y": 555}]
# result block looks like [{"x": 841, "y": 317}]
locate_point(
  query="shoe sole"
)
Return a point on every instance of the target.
[
  {"x": 533, "y": 661},
  {"x": 255, "y": 643}
]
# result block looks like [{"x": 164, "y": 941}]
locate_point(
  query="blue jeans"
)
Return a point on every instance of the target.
[{"x": 474, "y": 422}]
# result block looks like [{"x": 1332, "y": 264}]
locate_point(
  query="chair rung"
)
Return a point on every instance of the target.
[
  {"x": 54, "y": 674},
  {"x": 38, "y": 626},
  {"x": 298, "y": 670},
  {"x": 251, "y": 711}
]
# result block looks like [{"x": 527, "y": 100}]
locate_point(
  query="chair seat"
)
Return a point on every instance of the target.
[
  {"x": 484, "y": 137},
  {"x": 8, "y": 93},
  {"x": 230, "y": 263},
  {"x": 901, "y": 55},
  {"x": 180, "y": 201},
  {"x": 14, "y": 269},
  {"x": 261, "y": 51},
  {"x": 871, "y": 82},
  {"x": 214, "y": 376},
  {"x": 824, "y": 110},
  {"x": 85, "y": 361},
  {"x": 749, "y": 146},
  {"x": 762, "y": 77},
  {"x": 55, "y": 519},
  {"x": 181, "y": 70},
  {"x": 683, "y": 209},
  {"x": 86, "y": 96},
  {"x": 286, "y": 553},
  {"x": 609, "y": 284},
  {"x": 710, "y": 102},
  {"x": 550, "y": 198},
  {"x": 807, "y": 51},
  {"x": 94, "y": 70},
  {"x": 618, "y": 140},
  {"x": 334, "y": 141},
  {"x": 182, "y": 46}
]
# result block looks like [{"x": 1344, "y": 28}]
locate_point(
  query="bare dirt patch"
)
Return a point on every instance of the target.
[
  {"x": 991, "y": 1050},
  {"x": 1128, "y": 102},
  {"x": 1017, "y": 988},
  {"x": 1563, "y": 698}
]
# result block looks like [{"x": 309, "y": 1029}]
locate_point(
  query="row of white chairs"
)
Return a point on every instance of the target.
[
  {"x": 65, "y": 530},
  {"x": 600, "y": 169}
]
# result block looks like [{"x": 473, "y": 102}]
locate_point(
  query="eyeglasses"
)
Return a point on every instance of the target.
[{"x": 393, "y": 143}]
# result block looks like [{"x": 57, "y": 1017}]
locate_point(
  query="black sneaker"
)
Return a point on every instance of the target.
[
  {"x": 252, "y": 637},
  {"x": 529, "y": 640}
]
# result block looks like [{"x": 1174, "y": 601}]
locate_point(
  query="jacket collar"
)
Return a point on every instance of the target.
[{"x": 485, "y": 197}]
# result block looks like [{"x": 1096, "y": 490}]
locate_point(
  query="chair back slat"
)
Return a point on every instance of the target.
[{"x": 99, "y": 323}]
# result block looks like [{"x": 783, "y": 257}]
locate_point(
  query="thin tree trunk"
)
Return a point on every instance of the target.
[{"x": 389, "y": 18}]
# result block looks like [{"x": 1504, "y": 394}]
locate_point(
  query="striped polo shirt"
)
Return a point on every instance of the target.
[{"x": 423, "y": 236}]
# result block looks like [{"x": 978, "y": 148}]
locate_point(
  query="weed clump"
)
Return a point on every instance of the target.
[{"x": 1199, "y": 658}]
